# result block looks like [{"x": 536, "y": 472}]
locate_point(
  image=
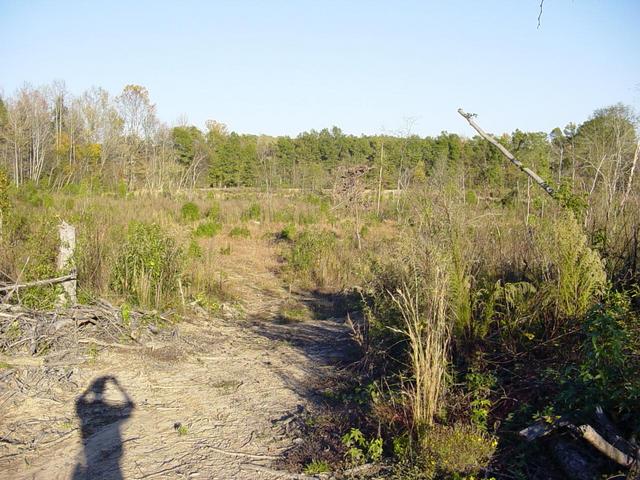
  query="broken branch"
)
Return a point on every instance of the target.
[
  {"x": 37, "y": 283},
  {"x": 533, "y": 175}
]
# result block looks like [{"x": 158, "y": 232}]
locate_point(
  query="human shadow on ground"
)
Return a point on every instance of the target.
[{"x": 100, "y": 423}]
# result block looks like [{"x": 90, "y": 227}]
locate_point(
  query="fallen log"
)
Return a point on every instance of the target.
[
  {"x": 588, "y": 433},
  {"x": 38, "y": 283}
]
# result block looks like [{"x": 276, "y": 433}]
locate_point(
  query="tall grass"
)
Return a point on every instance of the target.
[{"x": 426, "y": 325}]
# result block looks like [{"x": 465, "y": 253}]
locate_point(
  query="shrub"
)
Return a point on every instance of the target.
[
  {"x": 240, "y": 232},
  {"x": 4, "y": 196},
  {"x": 308, "y": 249},
  {"x": 36, "y": 259},
  {"x": 359, "y": 449},
  {"x": 213, "y": 213},
  {"x": 207, "y": 229},
  {"x": 577, "y": 271},
  {"x": 459, "y": 449},
  {"x": 287, "y": 233},
  {"x": 317, "y": 466},
  {"x": 254, "y": 212},
  {"x": 148, "y": 266},
  {"x": 190, "y": 212},
  {"x": 31, "y": 194},
  {"x": 610, "y": 359}
]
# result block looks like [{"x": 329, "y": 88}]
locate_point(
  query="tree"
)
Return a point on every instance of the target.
[{"x": 139, "y": 125}]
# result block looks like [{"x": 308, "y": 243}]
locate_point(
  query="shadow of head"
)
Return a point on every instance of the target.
[{"x": 103, "y": 402}]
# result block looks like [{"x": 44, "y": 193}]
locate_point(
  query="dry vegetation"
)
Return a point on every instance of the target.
[{"x": 476, "y": 311}]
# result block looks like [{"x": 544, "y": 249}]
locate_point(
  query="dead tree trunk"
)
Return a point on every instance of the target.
[
  {"x": 66, "y": 262},
  {"x": 533, "y": 175}
]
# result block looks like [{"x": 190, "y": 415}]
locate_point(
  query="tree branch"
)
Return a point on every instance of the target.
[{"x": 534, "y": 176}]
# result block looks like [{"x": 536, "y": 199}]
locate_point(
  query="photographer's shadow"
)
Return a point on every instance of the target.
[{"x": 100, "y": 423}]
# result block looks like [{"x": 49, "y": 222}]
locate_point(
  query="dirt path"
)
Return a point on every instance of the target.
[{"x": 212, "y": 401}]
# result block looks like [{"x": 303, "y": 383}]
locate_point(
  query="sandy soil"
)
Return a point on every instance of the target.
[{"x": 209, "y": 399}]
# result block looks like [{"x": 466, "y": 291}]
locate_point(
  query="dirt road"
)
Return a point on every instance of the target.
[{"x": 210, "y": 400}]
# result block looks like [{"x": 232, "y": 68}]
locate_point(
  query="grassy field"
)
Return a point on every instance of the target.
[{"x": 472, "y": 319}]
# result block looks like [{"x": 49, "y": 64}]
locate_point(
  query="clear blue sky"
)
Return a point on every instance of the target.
[{"x": 281, "y": 67}]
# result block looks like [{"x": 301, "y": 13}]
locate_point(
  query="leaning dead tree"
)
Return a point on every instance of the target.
[{"x": 533, "y": 175}]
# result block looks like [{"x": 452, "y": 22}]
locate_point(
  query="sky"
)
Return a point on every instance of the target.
[{"x": 283, "y": 67}]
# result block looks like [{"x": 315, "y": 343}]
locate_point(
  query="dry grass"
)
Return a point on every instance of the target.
[{"x": 427, "y": 327}]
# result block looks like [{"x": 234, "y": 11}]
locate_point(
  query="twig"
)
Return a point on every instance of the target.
[
  {"x": 245, "y": 455},
  {"x": 540, "y": 13}
]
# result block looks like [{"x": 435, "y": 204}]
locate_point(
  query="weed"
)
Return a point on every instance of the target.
[
  {"x": 317, "y": 466},
  {"x": 288, "y": 233},
  {"x": 148, "y": 266},
  {"x": 359, "y": 450},
  {"x": 458, "y": 449},
  {"x": 242, "y": 232},
  {"x": 213, "y": 214},
  {"x": 189, "y": 212},
  {"x": 92, "y": 352},
  {"x": 194, "y": 250},
  {"x": 254, "y": 212},
  {"x": 207, "y": 229}
]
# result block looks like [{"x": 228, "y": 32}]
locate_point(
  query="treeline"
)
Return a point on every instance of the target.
[{"x": 48, "y": 136}]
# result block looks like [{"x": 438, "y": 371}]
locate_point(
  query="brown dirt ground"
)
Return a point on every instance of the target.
[{"x": 212, "y": 399}]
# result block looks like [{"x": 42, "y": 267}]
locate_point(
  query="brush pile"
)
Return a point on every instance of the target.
[{"x": 23, "y": 330}]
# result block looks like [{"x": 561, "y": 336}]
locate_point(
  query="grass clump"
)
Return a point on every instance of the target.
[
  {"x": 311, "y": 254},
  {"x": 242, "y": 232},
  {"x": 182, "y": 430},
  {"x": 457, "y": 449},
  {"x": 317, "y": 466},
  {"x": 207, "y": 229},
  {"x": 287, "y": 233},
  {"x": 190, "y": 212},
  {"x": 254, "y": 212},
  {"x": 148, "y": 266}
]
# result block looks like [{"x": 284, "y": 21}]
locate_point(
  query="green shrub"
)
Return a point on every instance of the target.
[
  {"x": 254, "y": 212},
  {"x": 359, "y": 449},
  {"x": 470, "y": 197},
  {"x": 459, "y": 449},
  {"x": 213, "y": 213},
  {"x": 287, "y": 233},
  {"x": 577, "y": 271},
  {"x": 607, "y": 375},
  {"x": 190, "y": 212},
  {"x": 194, "y": 250},
  {"x": 122, "y": 189},
  {"x": 317, "y": 466},
  {"x": 4, "y": 196},
  {"x": 309, "y": 248},
  {"x": 36, "y": 256},
  {"x": 240, "y": 232},
  {"x": 33, "y": 195},
  {"x": 148, "y": 266},
  {"x": 207, "y": 229}
]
